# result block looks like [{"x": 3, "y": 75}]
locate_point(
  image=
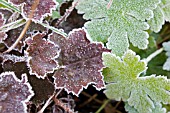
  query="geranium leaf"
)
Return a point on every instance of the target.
[
  {"x": 43, "y": 9},
  {"x": 14, "y": 93},
  {"x": 158, "y": 108},
  {"x": 121, "y": 23},
  {"x": 166, "y": 46},
  {"x": 80, "y": 62},
  {"x": 161, "y": 14},
  {"x": 42, "y": 53},
  {"x": 122, "y": 76}
]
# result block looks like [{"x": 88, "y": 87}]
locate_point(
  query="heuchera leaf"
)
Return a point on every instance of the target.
[
  {"x": 14, "y": 34},
  {"x": 42, "y": 53},
  {"x": 118, "y": 24},
  {"x": 14, "y": 93},
  {"x": 3, "y": 35},
  {"x": 122, "y": 76},
  {"x": 161, "y": 13},
  {"x": 42, "y": 88},
  {"x": 80, "y": 62},
  {"x": 43, "y": 9},
  {"x": 158, "y": 108},
  {"x": 166, "y": 46}
]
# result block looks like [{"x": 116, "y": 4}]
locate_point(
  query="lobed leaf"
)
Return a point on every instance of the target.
[
  {"x": 14, "y": 93},
  {"x": 42, "y": 53},
  {"x": 43, "y": 9},
  {"x": 158, "y": 108},
  {"x": 161, "y": 14},
  {"x": 41, "y": 88},
  {"x": 14, "y": 34},
  {"x": 166, "y": 46},
  {"x": 122, "y": 76},
  {"x": 80, "y": 62},
  {"x": 120, "y": 23}
]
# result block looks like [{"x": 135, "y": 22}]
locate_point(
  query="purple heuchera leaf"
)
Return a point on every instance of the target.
[
  {"x": 3, "y": 35},
  {"x": 42, "y": 53},
  {"x": 80, "y": 61},
  {"x": 43, "y": 9},
  {"x": 14, "y": 34},
  {"x": 14, "y": 93}
]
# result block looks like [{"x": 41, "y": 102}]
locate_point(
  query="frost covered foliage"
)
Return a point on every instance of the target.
[{"x": 38, "y": 60}]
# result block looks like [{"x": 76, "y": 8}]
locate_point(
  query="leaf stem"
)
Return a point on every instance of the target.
[
  {"x": 30, "y": 16},
  {"x": 6, "y": 4},
  {"x": 154, "y": 54},
  {"x": 67, "y": 13},
  {"x": 46, "y": 104},
  {"x": 103, "y": 105}
]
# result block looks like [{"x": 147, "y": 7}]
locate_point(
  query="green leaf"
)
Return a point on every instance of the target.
[
  {"x": 122, "y": 76},
  {"x": 161, "y": 13},
  {"x": 5, "y": 4},
  {"x": 122, "y": 22},
  {"x": 166, "y": 46},
  {"x": 165, "y": 5},
  {"x": 157, "y": 21},
  {"x": 12, "y": 25},
  {"x": 158, "y": 108}
]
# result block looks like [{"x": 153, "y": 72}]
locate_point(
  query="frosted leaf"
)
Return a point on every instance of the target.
[
  {"x": 14, "y": 34},
  {"x": 43, "y": 9},
  {"x": 80, "y": 62},
  {"x": 42, "y": 53},
  {"x": 14, "y": 93},
  {"x": 42, "y": 88},
  {"x": 166, "y": 46},
  {"x": 122, "y": 76},
  {"x": 165, "y": 5},
  {"x": 158, "y": 108},
  {"x": 161, "y": 13},
  {"x": 157, "y": 21},
  {"x": 121, "y": 23}
]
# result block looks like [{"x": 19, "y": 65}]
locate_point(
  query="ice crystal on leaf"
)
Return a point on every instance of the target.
[
  {"x": 166, "y": 65},
  {"x": 121, "y": 23},
  {"x": 122, "y": 76},
  {"x": 14, "y": 93},
  {"x": 43, "y": 9},
  {"x": 158, "y": 108},
  {"x": 161, "y": 13},
  {"x": 42, "y": 53},
  {"x": 80, "y": 61}
]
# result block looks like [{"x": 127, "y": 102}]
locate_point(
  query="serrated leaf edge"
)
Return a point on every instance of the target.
[
  {"x": 83, "y": 87},
  {"x": 29, "y": 58},
  {"x": 25, "y": 80}
]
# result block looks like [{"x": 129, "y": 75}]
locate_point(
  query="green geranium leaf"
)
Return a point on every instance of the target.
[
  {"x": 166, "y": 46},
  {"x": 158, "y": 108},
  {"x": 161, "y": 13},
  {"x": 122, "y": 76},
  {"x": 119, "y": 23}
]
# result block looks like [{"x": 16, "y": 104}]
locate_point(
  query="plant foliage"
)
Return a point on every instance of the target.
[
  {"x": 14, "y": 93},
  {"x": 166, "y": 46},
  {"x": 121, "y": 23},
  {"x": 123, "y": 76},
  {"x": 80, "y": 61},
  {"x": 74, "y": 43}
]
